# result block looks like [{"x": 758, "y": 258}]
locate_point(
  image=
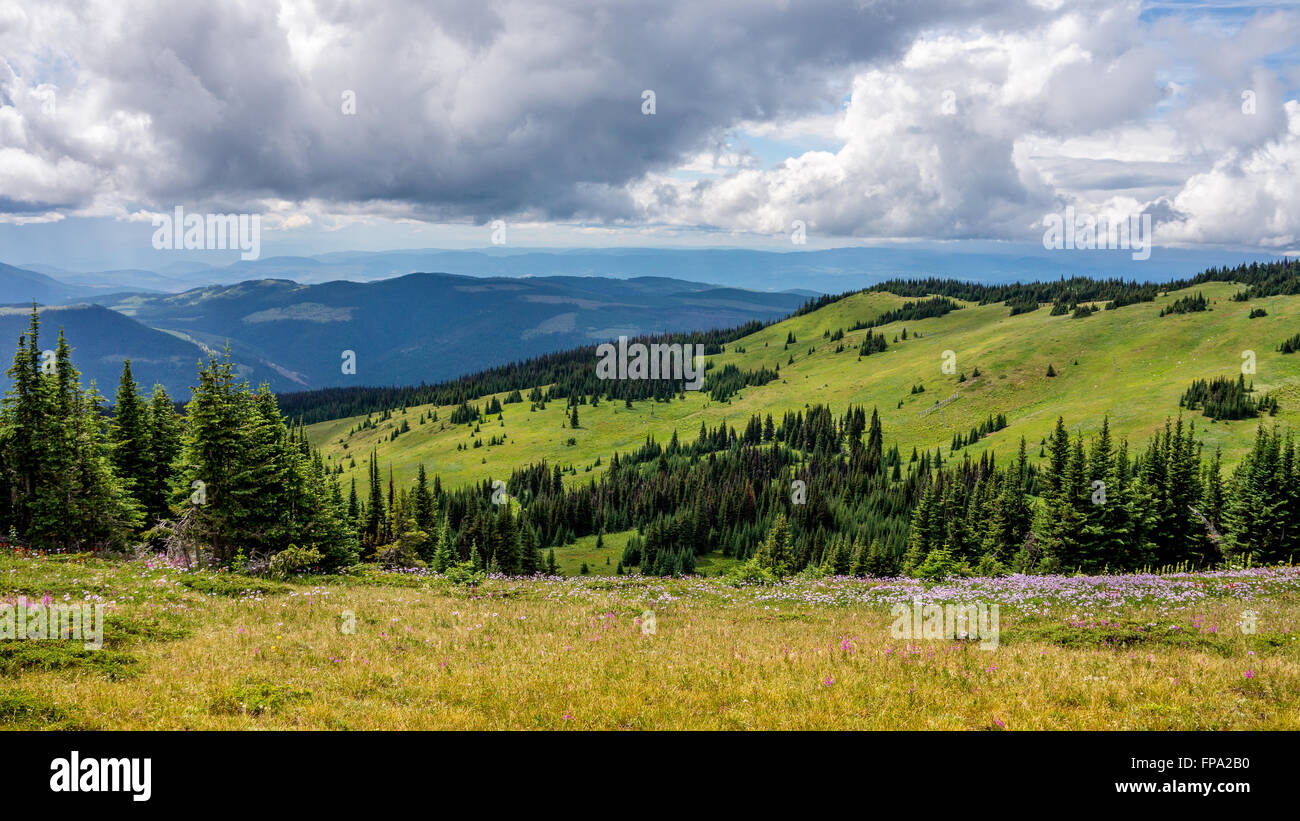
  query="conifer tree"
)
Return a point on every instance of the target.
[
  {"x": 775, "y": 553},
  {"x": 165, "y": 443},
  {"x": 129, "y": 440},
  {"x": 422, "y": 501}
]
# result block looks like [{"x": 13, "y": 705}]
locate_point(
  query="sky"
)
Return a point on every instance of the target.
[{"x": 648, "y": 123}]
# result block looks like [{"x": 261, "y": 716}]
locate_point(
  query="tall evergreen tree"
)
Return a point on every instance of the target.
[
  {"x": 166, "y": 434},
  {"x": 128, "y": 436}
]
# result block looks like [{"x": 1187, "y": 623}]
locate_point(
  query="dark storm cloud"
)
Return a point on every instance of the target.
[{"x": 463, "y": 109}]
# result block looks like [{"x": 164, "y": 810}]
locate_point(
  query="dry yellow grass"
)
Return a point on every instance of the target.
[{"x": 569, "y": 653}]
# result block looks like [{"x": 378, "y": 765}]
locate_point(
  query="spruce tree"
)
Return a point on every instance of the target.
[
  {"x": 422, "y": 500},
  {"x": 129, "y": 439},
  {"x": 775, "y": 552},
  {"x": 213, "y": 457},
  {"x": 166, "y": 433}
]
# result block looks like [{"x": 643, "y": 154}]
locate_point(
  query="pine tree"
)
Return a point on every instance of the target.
[
  {"x": 372, "y": 531},
  {"x": 1060, "y": 519},
  {"x": 129, "y": 440},
  {"x": 444, "y": 551},
  {"x": 100, "y": 512},
  {"x": 422, "y": 500},
  {"x": 166, "y": 434},
  {"x": 214, "y": 456},
  {"x": 26, "y": 435},
  {"x": 507, "y": 548},
  {"x": 775, "y": 553},
  {"x": 530, "y": 557},
  {"x": 62, "y": 492}
]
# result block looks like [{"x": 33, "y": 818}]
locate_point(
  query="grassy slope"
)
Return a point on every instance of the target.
[
  {"x": 569, "y": 557},
  {"x": 1133, "y": 366}
]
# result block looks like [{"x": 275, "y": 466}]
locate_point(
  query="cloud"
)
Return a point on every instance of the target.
[
  {"x": 961, "y": 120},
  {"x": 464, "y": 109},
  {"x": 1247, "y": 194},
  {"x": 979, "y": 134}
]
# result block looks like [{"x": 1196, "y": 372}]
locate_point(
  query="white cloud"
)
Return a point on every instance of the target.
[
  {"x": 1252, "y": 194},
  {"x": 980, "y": 134}
]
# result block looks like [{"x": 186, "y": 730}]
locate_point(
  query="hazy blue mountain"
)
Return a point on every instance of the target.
[
  {"x": 121, "y": 280},
  {"x": 23, "y": 286},
  {"x": 429, "y": 327},
  {"x": 101, "y": 339},
  {"x": 832, "y": 270}
]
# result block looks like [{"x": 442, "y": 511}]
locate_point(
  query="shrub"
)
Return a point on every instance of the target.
[
  {"x": 751, "y": 572},
  {"x": 398, "y": 555},
  {"x": 465, "y": 573},
  {"x": 20, "y": 711},
  {"x": 293, "y": 559},
  {"x": 939, "y": 564},
  {"x": 990, "y": 566},
  {"x": 256, "y": 699},
  {"x": 816, "y": 571}
]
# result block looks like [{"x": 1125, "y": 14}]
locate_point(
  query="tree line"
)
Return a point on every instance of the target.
[{"x": 1099, "y": 509}]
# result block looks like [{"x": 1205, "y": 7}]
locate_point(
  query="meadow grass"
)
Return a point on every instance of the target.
[
  {"x": 222, "y": 651},
  {"x": 603, "y": 561}
]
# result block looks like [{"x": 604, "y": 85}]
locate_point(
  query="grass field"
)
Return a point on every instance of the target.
[
  {"x": 198, "y": 650},
  {"x": 1130, "y": 364},
  {"x": 603, "y": 561}
]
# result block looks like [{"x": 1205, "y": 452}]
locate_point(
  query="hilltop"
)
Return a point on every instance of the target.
[{"x": 1129, "y": 364}]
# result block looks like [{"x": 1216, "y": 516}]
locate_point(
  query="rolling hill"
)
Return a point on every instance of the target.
[
  {"x": 21, "y": 286},
  {"x": 100, "y": 340},
  {"x": 1130, "y": 364},
  {"x": 429, "y": 327}
]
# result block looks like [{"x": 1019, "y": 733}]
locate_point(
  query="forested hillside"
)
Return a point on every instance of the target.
[
  {"x": 875, "y": 434},
  {"x": 974, "y": 467}
]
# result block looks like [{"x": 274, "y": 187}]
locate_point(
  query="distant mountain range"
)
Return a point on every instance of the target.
[
  {"x": 21, "y": 285},
  {"x": 402, "y": 331},
  {"x": 289, "y": 320},
  {"x": 826, "y": 271}
]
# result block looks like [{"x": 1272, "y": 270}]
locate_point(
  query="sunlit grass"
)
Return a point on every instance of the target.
[
  {"x": 569, "y": 653},
  {"x": 1129, "y": 364}
]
